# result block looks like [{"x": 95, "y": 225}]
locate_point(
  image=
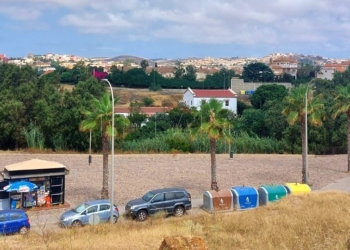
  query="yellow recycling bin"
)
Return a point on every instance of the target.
[{"x": 296, "y": 188}]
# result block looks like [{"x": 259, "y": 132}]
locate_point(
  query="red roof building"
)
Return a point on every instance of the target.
[{"x": 195, "y": 97}]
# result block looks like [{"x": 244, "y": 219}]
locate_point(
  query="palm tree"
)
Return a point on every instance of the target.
[
  {"x": 215, "y": 128},
  {"x": 296, "y": 112},
  {"x": 100, "y": 118},
  {"x": 342, "y": 106}
]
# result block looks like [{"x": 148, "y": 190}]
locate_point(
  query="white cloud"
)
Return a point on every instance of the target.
[
  {"x": 242, "y": 22},
  {"x": 20, "y": 13}
]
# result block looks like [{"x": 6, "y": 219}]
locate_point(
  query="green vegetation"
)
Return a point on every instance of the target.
[{"x": 36, "y": 112}]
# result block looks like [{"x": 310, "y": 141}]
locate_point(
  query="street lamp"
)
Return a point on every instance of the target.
[
  {"x": 112, "y": 156},
  {"x": 306, "y": 142}
]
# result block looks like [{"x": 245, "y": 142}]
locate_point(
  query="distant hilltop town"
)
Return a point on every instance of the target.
[{"x": 280, "y": 63}]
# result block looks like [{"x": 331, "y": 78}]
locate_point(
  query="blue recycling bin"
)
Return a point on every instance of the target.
[{"x": 245, "y": 197}]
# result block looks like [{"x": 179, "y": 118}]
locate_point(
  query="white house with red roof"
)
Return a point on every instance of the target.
[
  {"x": 327, "y": 70},
  {"x": 195, "y": 97}
]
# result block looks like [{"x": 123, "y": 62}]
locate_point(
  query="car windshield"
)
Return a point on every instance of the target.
[
  {"x": 147, "y": 197},
  {"x": 80, "y": 208}
]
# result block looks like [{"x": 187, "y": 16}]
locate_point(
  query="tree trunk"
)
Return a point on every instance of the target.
[
  {"x": 303, "y": 171},
  {"x": 348, "y": 118},
  {"x": 214, "y": 185},
  {"x": 105, "y": 171}
]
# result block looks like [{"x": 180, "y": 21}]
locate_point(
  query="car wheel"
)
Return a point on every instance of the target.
[
  {"x": 141, "y": 215},
  {"x": 179, "y": 211},
  {"x": 23, "y": 230},
  {"x": 115, "y": 219},
  {"x": 76, "y": 223}
]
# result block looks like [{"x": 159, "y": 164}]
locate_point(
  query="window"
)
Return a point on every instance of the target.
[
  {"x": 179, "y": 195},
  {"x": 191, "y": 103},
  {"x": 2, "y": 217},
  {"x": 92, "y": 209},
  {"x": 227, "y": 102},
  {"x": 104, "y": 207},
  {"x": 158, "y": 197},
  {"x": 169, "y": 196},
  {"x": 15, "y": 216}
]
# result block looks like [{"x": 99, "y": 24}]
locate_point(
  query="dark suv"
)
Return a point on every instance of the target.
[{"x": 169, "y": 200}]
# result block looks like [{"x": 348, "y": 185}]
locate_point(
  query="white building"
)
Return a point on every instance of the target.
[{"x": 195, "y": 97}]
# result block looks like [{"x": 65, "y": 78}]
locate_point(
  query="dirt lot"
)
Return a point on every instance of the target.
[{"x": 135, "y": 174}]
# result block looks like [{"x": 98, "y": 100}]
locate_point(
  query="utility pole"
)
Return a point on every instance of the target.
[
  {"x": 306, "y": 140},
  {"x": 155, "y": 125}
]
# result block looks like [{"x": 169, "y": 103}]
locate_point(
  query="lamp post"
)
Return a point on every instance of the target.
[
  {"x": 306, "y": 142},
  {"x": 112, "y": 156}
]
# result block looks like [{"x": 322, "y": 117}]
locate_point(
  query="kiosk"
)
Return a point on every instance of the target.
[{"x": 49, "y": 176}]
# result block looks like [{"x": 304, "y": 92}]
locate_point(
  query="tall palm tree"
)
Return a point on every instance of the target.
[
  {"x": 342, "y": 106},
  {"x": 100, "y": 118},
  {"x": 295, "y": 111},
  {"x": 215, "y": 128}
]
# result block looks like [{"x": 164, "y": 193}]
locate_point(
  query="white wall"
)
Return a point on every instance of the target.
[
  {"x": 325, "y": 74},
  {"x": 232, "y": 103}
]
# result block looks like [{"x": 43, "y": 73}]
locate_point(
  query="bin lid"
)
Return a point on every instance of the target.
[
  {"x": 275, "y": 189},
  {"x": 243, "y": 190},
  {"x": 296, "y": 187},
  {"x": 211, "y": 193}
]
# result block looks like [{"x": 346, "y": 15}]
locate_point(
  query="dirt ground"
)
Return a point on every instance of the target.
[{"x": 135, "y": 174}]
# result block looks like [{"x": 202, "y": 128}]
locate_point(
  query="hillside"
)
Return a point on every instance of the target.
[
  {"x": 161, "y": 98},
  {"x": 136, "y": 59}
]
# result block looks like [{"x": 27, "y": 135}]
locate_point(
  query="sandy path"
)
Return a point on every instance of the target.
[{"x": 136, "y": 174}]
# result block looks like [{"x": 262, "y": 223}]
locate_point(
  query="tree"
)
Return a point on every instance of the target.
[
  {"x": 215, "y": 128},
  {"x": 342, "y": 106},
  {"x": 147, "y": 101},
  {"x": 295, "y": 112},
  {"x": 257, "y": 72},
  {"x": 190, "y": 74},
  {"x": 144, "y": 64},
  {"x": 100, "y": 118},
  {"x": 266, "y": 93},
  {"x": 179, "y": 71}
]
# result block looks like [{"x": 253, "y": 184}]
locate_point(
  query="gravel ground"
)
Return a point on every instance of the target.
[{"x": 137, "y": 173}]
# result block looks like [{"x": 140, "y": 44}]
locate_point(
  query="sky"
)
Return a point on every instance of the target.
[{"x": 175, "y": 29}]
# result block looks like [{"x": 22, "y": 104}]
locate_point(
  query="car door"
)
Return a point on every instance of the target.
[
  {"x": 169, "y": 202},
  {"x": 14, "y": 222},
  {"x": 89, "y": 212},
  {"x": 156, "y": 203},
  {"x": 3, "y": 223},
  {"x": 104, "y": 212}
]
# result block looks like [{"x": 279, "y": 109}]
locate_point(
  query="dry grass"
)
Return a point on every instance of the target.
[
  {"x": 126, "y": 96},
  {"x": 320, "y": 220}
]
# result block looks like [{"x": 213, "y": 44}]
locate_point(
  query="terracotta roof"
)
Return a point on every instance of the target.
[
  {"x": 340, "y": 68},
  {"x": 345, "y": 63},
  {"x": 161, "y": 70},
  {"x": 214, "y": 93}
]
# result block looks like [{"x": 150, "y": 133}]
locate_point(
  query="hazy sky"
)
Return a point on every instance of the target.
[{"x": 175, "y": 28}]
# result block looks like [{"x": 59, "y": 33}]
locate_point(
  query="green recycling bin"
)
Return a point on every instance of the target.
[{"x": 271, "y": 193}]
